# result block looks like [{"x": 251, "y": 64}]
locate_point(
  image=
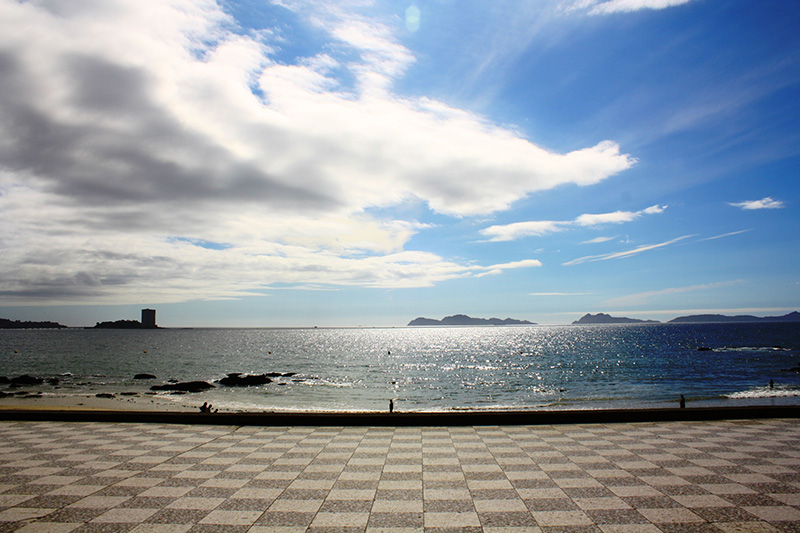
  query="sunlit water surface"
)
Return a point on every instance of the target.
[{"x": 431, "y": 368}]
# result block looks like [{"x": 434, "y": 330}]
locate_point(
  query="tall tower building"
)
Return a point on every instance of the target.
[{"x": 149, "y": 318}]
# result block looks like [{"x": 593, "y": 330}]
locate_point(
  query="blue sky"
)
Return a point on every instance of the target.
[{"x": 297, "y": 163}]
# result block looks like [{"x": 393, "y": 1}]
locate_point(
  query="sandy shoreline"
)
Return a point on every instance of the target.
[
  {"x": 184, "y": 409},
  {"x": 55, "y": 402},
  {"x": 190, "y": 403}
]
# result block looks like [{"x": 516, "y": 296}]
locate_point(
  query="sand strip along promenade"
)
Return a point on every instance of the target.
[
  {"x": 692, "y": 475},
  {"x": 96, "y": 413}
]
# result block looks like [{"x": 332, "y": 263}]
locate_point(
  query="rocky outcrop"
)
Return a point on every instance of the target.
[
  {"x": 237, "y": 379},
  {"x": 26, "y": 379},
  {"x": 185, "y": 386}
]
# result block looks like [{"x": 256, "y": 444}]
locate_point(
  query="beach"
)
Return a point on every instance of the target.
[{"x": 73, "y": 402}]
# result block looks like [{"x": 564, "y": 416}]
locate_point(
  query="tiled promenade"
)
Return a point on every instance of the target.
[{"x": 741, "y": 476}]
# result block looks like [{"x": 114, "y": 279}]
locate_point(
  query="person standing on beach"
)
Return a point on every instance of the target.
[
  {"x": 391, "y": 406},
  {"x": 682, "y": 402}
]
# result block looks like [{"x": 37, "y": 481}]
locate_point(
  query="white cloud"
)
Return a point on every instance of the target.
[
  {"x": 606, "y": 7},
  {"x": 132, "y": 135},
  {"x": 764, "y": 203},
  {"x": 625, "y": 253},
  {"x": 598, "y": 240},
  {"x": 499, "y": 268},
  {"x": 537, "y": 228},
  {"x": 518, "y": 230}
]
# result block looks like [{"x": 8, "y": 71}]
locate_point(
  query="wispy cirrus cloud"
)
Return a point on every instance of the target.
[
  {"x": 537, "y": 228},
  {"x": 625, "y": 253},
  {"x": 645, "y": 297},
  {"x": 599, "y": 240},
  {"x": 559, "y": 293},
  {"x": 724, "y": 235},
  {"x": 764, "y": 203},
  {"x": 606, "y": 7}
]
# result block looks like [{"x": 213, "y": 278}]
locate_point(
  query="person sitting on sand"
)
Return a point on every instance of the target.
[{"x": 205, "y": 408}]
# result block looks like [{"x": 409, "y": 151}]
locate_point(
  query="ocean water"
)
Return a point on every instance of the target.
[{"x": 426, "y": 369}]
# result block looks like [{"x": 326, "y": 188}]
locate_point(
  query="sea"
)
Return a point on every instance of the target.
[{"x": 424, "y": 368}]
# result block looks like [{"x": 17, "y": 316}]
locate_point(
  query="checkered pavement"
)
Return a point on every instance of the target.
[{"x": 730, "y": 476}]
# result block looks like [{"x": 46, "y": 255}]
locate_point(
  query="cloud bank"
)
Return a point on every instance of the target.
[{"x": 156, "y": 151}]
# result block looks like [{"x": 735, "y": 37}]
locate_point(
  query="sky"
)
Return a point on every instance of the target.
[{"x": 269, "y": 163}]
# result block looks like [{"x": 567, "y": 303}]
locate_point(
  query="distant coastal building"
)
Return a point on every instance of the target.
[{"x": 149, "y": 318}]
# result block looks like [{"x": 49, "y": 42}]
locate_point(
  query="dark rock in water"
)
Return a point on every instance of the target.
[
  {"x": 187, "y": 386},
  {"x": 704, "y": 349},
  {"x": 129, "y": 394},
  {"x": 3, "y": 394},
  {"x": 26, "y": 379},
  {"x": 4, "y": 379},
  {"x": 53, "y": 381},
  {"x": 144, "y": 376},
  {"x": 104, "y": 395},
  {"x": 237, "y": 379}
]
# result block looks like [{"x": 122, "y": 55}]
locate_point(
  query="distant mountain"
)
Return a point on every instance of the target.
[
  {"x": 602, "y": 318},
  {"x": 464, "y": 320},
  {"x": 794, "y": 316},
  {"x": 16, "y": 324}
]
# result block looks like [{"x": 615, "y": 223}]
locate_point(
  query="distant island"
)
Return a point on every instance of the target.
[
  {"x": 602, "y": 318},
  {"x": 119, "y": 324},
  {"x": 464, "y": 320},
  {"x": 148, "y": 322},
  {"x": 16, "y": 324},
  {"x": 794, "y": 316}
]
